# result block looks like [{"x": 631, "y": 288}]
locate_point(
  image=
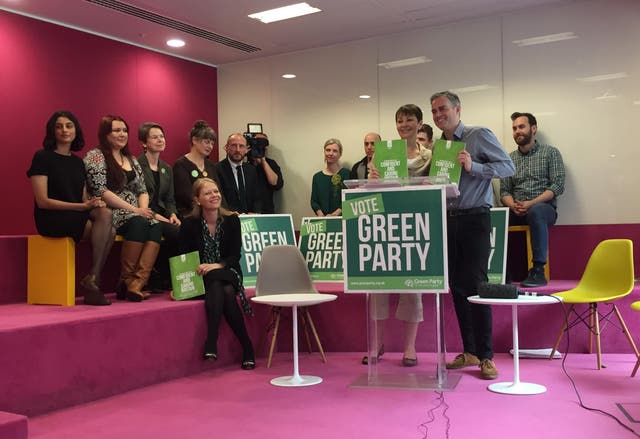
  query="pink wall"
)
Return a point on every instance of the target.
[{"x": 46, "y": 67}]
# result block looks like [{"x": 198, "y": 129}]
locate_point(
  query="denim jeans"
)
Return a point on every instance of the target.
[{"x": 539, "y": 218}]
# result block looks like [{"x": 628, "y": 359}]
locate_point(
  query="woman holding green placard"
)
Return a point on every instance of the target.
[
  {"x": 215, "y": 233},
  {"x": 327, "y": 185},
  {"x": 408, "y": 122}
]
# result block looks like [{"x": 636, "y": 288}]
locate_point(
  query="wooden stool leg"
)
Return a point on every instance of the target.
[
  {"x": 559, "y": 338},
  {"x": 274, "y": 336},
  {"x": 315, "y": 335},
  {"x": 596, "y": 319},
  {"x": 626, "y": 331},
  {"x": 303, "y": 314}
]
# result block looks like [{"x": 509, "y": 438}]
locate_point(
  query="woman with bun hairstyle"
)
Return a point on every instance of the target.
[{"x": 194, "y": 165}]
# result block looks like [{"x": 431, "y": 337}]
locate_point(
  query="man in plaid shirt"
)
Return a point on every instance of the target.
[{"x": 532, "y": 193}]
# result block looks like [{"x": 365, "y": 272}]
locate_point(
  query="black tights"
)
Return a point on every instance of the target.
[{"x": 220, "y": 299}]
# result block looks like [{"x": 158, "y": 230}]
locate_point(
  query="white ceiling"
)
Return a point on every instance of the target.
[{"x": 340, "y": 21}]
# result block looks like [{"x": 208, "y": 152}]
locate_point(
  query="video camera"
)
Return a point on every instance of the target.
[{"x": 257, "y": 145}]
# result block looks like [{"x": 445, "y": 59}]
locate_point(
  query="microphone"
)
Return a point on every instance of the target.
[{"x": 498, "y": 291}]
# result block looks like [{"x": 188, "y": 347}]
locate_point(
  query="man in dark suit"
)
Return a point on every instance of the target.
[
  {"x": 269, "y": 177},
  {"x": 238, "y": 179}
]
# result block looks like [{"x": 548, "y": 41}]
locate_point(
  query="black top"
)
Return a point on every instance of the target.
[
  {"x": 185, "y": 173},
  {"x": 66, "y": 178},
  {"x": 264, "y": 191}
]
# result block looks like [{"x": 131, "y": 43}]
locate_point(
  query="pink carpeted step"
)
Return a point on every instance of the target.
[{"x": 13, "y": 426}]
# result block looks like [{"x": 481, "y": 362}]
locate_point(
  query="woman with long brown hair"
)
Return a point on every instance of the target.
[{"x": 115, "y": 175}]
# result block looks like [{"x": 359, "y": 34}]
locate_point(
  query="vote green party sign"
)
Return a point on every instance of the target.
[
  {"x": 497, "y": 253},
  {"x": 258, "y": 232},
  {"x": 321, "y": 246},
  {"x": 395, "y": 239}
]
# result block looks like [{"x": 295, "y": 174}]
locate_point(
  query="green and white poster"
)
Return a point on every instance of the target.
[
  {"x": 321, "y": 246},
  {"x": 258, "y": 232},
  {"x": 444, "y": 161},
  {"x": 498, "y": 252},
  {"x": 395, "y": 239},
  {"x": 390, "y": 158}
]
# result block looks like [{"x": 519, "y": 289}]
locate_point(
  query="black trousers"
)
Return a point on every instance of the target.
[
  {"x": 468, "y": 249},
  {"x": 220, "y": 300}
]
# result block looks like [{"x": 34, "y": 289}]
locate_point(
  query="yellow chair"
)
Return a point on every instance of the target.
[
  {"x": 607, "y": 277},
  {"x": 527, "y": 233}
]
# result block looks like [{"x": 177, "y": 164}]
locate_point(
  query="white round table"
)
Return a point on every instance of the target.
[
  {"x": 516, "y": 387},
  {"x": 294, "y": 301}
]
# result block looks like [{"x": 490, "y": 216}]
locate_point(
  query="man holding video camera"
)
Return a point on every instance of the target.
[{"x": 268, "y": 172}]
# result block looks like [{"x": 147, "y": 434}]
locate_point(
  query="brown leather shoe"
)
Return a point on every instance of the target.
[
  {"x": 488, "y": 369},
  {"x": 462, "y": 360}
]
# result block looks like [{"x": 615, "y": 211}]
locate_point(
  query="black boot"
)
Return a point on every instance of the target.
[{"x": 536, "y": 277}]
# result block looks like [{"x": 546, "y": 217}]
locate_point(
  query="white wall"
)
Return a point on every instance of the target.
[{"x": 596, "y": 136}]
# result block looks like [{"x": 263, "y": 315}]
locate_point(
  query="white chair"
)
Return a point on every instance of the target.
[{"x": 284, "y": 280}]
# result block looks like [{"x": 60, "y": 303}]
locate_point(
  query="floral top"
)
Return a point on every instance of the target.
[{"x": 96, "y": 166}]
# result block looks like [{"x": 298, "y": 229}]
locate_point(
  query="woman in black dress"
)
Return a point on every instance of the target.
[
  {"x": 62, "y": 206},
  {"x": 215, "y": 233}
]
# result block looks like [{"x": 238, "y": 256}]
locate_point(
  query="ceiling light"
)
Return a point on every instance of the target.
[
  {"x": 636, "y": 102},
  {"x": 364, "y": 97},
  {"x": 607, "y": 77},
  {"x": 175, "y": 43},
  {"x": 606, "y": 96},
  {"x": 288, "y": 76},
  {"x": 284, "y": 13},
  {"x": 472, "y": 88},
  {"x": 543, "y": 39},
  {"x": 404, "y": 62}
]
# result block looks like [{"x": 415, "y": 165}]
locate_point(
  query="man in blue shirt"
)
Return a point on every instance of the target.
[
  {"x": 531, "y": 194},
  {"x": 468, "y": 228}
]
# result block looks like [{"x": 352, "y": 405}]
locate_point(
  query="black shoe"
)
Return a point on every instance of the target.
[
  {"x": 535, "y": 278},
  {"x": 365, "y": 359},
  {"x": 210, "y": 356},
  {"x": 248, "y": 365}
]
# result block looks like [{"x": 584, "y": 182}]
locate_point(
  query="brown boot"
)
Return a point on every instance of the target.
[
  {"x": 129, "y": 256},
  {"x": 143, "y": 270}
]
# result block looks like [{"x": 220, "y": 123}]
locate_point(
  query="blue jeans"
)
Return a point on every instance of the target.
[{"x": 539, "y": 218}]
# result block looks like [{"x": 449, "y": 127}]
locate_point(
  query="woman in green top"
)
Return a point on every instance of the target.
[{"x": 327, "y": 185}]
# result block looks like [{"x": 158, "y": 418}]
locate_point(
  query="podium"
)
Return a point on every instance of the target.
[{"x": 395, "y": 242}]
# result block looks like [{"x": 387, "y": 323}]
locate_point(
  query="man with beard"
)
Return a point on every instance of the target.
[
  {"x": 238, "y": 179},
  {"x": 469, "y": 228},
  {"x": 532, "y": 193}
]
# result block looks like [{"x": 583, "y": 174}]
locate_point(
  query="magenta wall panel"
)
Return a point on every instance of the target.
[{"x": 45, "y": 67}]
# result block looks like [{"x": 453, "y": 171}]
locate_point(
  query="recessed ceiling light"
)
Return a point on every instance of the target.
[
  {"x": 404, "y": 62},
  {"x": 543, "y": 39},
  {"x": 364, "y": 97},
  {"x": 607, "y": 77},
  {"x": 284, "y": 13},
  {"x": 472, "y": 88},
  {"x": 175, "y": 43},
  {"x": 636, "y": 102},
  {"x": 288, "y": 76}
]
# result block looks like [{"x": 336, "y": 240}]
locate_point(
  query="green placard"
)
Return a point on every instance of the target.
[
  {"x": 395, "y": 239},
  {"x": 497, "y": 254},
  {"x": 444, "y": 162},
  {"x": 390, "y": 158},
  {"x": 321, "y": 246},
  {"x": 258, "y": 232},
  {"x": 185, "y": 281}
]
